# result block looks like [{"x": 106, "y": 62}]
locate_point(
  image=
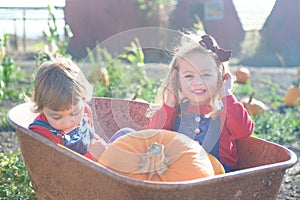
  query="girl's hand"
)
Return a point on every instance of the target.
[
  {"x": 228, "y": 84},
  {"x": 172, "y": 100}
]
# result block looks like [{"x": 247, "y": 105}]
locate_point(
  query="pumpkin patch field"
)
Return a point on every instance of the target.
[
  {"x": 264, "y": 91},
  {"x": 269, "y": 87},
  {"x": 271, "y": 96}
]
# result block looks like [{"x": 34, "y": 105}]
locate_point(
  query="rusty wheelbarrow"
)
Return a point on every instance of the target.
[{"x": 59, "y": 173}]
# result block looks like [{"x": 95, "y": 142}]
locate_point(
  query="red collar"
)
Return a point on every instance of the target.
[{"x": 198, "y": 109}]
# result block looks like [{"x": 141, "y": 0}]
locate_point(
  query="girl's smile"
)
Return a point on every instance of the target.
[
  {"x": 198, "y": 91},
  {"x": 198, "y": 78}
]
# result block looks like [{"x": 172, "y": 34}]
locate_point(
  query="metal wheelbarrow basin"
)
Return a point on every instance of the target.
[{"x": 59, "y": 173}]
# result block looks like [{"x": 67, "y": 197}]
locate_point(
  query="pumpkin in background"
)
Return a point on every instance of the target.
[
  {"x": 242, "y": 75},
  {"x": 253, "y": 106},
  {"x": 292, "y": 95},
  {"x": 159, "y": 155}
]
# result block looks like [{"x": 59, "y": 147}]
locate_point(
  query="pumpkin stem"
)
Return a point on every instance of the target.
[
  {"x": 155, "y": 161},
  {"x": 251, "y": 97}
]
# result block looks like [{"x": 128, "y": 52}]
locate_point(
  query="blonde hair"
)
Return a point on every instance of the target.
[
  {"x": 189, "y": 44},
  {"x": 60, "y": 84}
]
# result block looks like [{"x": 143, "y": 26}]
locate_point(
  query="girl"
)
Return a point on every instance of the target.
[
  {"x": 198, "y": 101},
  {"x": 61, "y": 93}
]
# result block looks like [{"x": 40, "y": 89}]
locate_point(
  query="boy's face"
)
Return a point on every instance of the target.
[
  {"x": 198, "y": 78},
  {"x": 65, "y": 120}
]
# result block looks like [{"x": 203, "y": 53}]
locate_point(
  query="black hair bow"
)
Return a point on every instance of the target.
[{"x": 223, "y": 55}]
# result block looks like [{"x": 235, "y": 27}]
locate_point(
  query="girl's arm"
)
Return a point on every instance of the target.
[
  {"x": 237, "y": 118},
  {"x": 163, "y": 118}
]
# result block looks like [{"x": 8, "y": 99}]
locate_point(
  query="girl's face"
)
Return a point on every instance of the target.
[
  {"x": 65, "y": 120},
  {"x": 198, "y": 78}
]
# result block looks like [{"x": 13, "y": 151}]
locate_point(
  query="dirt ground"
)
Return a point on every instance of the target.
[{"x": 290, "y": 187}]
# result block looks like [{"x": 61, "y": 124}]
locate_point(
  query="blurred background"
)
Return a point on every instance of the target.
[{"x": 261, "y": 33}]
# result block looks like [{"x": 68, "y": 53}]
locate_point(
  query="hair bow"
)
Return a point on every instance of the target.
[{"x": 208, "y": 42}]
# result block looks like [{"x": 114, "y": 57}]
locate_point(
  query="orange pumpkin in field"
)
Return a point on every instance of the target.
[
  {"x": 242, "y": 75},
  {"x": 159, "y": 155},
  {"x": 292, "y": 95},
  {"x": 253, "y": 106}
]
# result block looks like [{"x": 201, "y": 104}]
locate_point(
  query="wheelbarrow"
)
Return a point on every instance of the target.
[{"x": 59, "y": 173}]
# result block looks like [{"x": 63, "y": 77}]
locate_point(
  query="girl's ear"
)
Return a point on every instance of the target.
[
  {"x": 176, "y": 69},
  {"x": 226, "y": 76}
]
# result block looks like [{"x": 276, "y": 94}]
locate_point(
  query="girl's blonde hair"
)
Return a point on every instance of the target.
[
  {"x": 60, "y": 84},
  {"x": 189, "y": 44}
]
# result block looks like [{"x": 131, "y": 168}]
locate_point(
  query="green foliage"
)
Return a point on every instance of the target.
[
  {"x": 145, "y": 88},
  {"x": 9, "y": 71},
  {"x": 243, "y": 89},
  {"x": 14, "y": 180},
  {"x": 274, "y": 93},
  {"x": 3, "y": 122},
  {"x": 58, "y": 44},
  {"x": 278, "y": 126},
  {"x": 279, "y": 123},
  {"x": 198, "y": 26},
  {"x": 119, "y": 79},
  {"x": 105, "y": 73},
  {"x": 271, "y": 94}
]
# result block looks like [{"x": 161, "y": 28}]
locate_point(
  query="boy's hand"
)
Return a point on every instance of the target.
[{"x": 97, "y": 147}]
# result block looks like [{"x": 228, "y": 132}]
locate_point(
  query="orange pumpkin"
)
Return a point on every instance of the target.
[
  {"x": 292, "y": 95},
  {"x": 159, "y": 155},
  {"x": 253, "y": 106},
  {"x": 218, "y": 167},
  {"x": 242, "y": 75}
]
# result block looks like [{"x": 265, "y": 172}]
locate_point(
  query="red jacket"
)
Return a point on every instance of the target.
[
  {"x": 44, "y": 131},
  {"x": 235, "y": 124}
]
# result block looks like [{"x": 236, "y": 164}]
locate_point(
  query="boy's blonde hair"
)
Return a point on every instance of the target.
[{"x": 60, "y": 84}]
